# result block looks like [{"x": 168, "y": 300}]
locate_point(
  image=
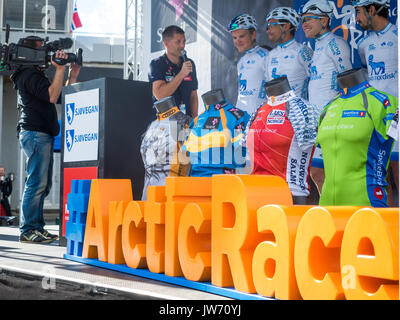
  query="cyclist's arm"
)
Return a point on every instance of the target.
[
  {"x": 267, "y": 75},
  {"x": 305, "y": 58},
  {"x": 340, "y": 54}
]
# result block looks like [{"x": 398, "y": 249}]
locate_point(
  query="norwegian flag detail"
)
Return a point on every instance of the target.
[{"x": 76, "y": 21}]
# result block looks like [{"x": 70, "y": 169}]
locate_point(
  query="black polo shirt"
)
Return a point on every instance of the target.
[
  {"x": 36, "y": 113},
  {"x": 163, "y": 69}
]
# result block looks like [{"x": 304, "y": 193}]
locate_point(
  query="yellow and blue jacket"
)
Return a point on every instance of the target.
[{"x": 213, "y": 143}]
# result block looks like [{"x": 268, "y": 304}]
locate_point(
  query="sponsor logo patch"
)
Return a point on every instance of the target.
[
  {"x": 236, "y": 112},
  {"x": 212, "y": 123},
  {"x": 276, "y": 116},
  {"x": 353, "y": 114},
  {"x": 378, "y": 192}
]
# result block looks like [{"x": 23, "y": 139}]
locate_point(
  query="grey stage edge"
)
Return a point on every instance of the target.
[{"x": 39, "y": 272}]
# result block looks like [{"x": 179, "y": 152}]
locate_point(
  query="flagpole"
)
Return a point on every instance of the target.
[
  {"x": 47, "y": 18},
  {"x": 69, "y": 17}
]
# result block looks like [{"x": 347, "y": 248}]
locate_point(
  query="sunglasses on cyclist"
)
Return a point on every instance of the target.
[
  {"x": 232, "y": 26},
  {"x": 309, "y": 18},
  {"x": 270, "y": 24}
]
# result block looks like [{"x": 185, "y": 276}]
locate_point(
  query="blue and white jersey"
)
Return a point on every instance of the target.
[
  {"x": 251, "y": 78},
  {"x": 331, "y": 57},
  {"x": 378, "y": 53},
  {"x": 291, "y": 59}
]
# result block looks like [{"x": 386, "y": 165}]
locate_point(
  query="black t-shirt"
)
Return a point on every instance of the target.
[
  {"x": 163, "y": 69},
  {"x": 37, "y": 113}
]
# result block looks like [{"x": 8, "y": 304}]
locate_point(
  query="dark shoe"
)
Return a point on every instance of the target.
[
  {"x": 48, "y": 235},
  {"x": 34, "y": 236}
]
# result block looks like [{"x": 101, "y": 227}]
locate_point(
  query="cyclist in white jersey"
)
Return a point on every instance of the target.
[
  {"x": 251, "y": 78},
  {"x": 331, "y": 53},
  {"x": 378, "y": 54},
  {"x": 378, "y": 49},
  {"x": 331, "y": 57},
  {"x": 289, "y": 58}
]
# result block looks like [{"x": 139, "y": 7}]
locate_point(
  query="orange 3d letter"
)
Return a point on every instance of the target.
[
  {"x": 273, "y": 260},
  {"x": 115, "y": 254},
  {"x": 235, "y": 201},
  {"x": 180, "y": 191},
  {"x": 102, "y": 192},
  {"x": 134, "y": 235},
  {"x": 154, "y": 216},
  {"x": 370, "y": 249},
  {"x": 317, "y": 252},
  {"x": 194, "y": 241}
]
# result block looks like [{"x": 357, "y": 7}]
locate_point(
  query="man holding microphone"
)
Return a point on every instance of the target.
[{"x": 173, "y": 74}]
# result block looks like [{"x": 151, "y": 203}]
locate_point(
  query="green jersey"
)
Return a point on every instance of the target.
[{"x": 355, "y": 147}]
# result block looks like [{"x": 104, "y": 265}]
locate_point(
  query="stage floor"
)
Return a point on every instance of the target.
[{"x": 31, "y": 271}]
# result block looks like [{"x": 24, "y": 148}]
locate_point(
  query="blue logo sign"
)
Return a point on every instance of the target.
[
  {"x": 69, "y": 138},
  {"x": 376, "y": 67},
  {"x": 70, "y": 111}
]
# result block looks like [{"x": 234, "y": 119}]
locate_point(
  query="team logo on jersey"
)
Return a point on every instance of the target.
[
  {"x": 212, "y": 123},
  {"x": 371, "y": 47},
  {"x": 276, "y": 116},
  {"x": 376, "y": 67},
  {"x": 381, "y": 97},
  {"x": 353, "y": 114},
  {"x": 220, "y": 106},
  {"x": 378, "y": 193},
  {"x": 236, "y": 113}
]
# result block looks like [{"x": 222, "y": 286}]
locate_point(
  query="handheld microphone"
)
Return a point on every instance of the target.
[{"x": 183, "y": 53}]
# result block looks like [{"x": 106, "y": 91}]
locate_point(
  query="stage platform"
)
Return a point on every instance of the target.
[{"x": 31, "y": 271}]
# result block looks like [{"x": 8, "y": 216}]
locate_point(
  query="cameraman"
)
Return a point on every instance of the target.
[{"x": 36, "y": 129}]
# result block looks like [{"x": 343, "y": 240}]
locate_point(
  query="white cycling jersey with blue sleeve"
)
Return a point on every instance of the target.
[
  {"x": 378, "y": 53},
  {"x": 331, "y": 57},
  {"x": 291, "y": 59},
  {"x": 251, "y": 78}
]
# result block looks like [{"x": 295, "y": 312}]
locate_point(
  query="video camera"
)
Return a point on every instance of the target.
[{"x": 24, "y": 53}]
